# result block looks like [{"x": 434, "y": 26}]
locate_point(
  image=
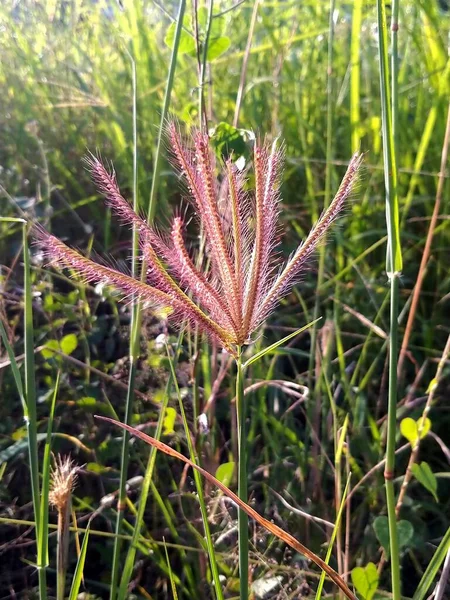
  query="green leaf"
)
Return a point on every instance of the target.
[
  {"x": 78, "y": 575},
  {"x": 410, "y": 429},
  {"x": 365, "y": 579},
  {"x": 228, "y": 140},
  {"x": 14, "y": 367},
  {"x": 225, "y": 472},
  {"x": 424, "y": 475},
  {"x": 187, "y": 42},
  {"x": 51, "y": 345},
  {"x": 169, "y": 420},
  {"x": 433, "y": 567},
  {"x": 274, "y": 346},
  {"x": 405, "y": 532},
  {"x": 217, "y": 46},
  {"x": 69, "y": 343},
  {"x": 12, "y": 451}
]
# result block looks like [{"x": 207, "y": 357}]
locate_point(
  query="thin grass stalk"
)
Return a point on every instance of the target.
[
  {"x": 340, "y": 510},
  {"x": 62, "y": 552},
  {"x": 201, "y": 100},
  {"x": 240, "y": 93},
  {"x": 42, "y": 561},
  {"x": 393, "y": 268},
  {"x": 198, "y": 485},
  {"x": 165, "y": 109},
  {"x": 355, "y": 74},
  {"x": 30, "y": 397},
  {"x": 327, "y": 197},
  {"x": 146, "y": 484},
  {"x": 133, "y": 355},
  {"x": 242, "y": 479},
  {"x": 427, "y": 249}
]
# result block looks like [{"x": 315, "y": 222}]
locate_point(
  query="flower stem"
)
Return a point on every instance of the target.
[
  {"x": 388, "y": 90},
  {"x": 242, "y": 479}
]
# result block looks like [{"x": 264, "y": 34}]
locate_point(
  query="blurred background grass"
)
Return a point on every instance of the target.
[{"x": 65, "y": 87}]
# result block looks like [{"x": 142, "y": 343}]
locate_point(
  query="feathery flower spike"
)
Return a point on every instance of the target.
[{"x": 244, "y": 282}]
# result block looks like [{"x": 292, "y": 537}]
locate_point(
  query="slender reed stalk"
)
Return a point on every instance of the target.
[
  {"x": 393, "y": 267},
  {"x": 240, "y": 93},
  {"x": 242, "y": 478},
  {"x": 202, "y": 75},
  {"x": 165, "y": 110}
]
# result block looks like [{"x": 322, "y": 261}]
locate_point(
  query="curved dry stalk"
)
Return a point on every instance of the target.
[{"x": 268, "y": 525}]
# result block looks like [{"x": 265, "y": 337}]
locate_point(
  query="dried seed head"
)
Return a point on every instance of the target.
[{"x": 64, "y": 479}]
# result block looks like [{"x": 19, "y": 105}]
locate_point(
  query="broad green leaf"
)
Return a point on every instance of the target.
[
  {"x": 424, "y": 475},
  {"x": 228, "y": 140},
  {"x": 169, "y": 420},
  {"x": 405, "y": 532},
  {"x": 51, "y": 345},
  {"x": 409, "y": 428},
  {"x": 225, "y": 472},
  {"x": 217, "y": 47},
  {"x": 274, "y": 346},
  {"x": 187, "y": 42},
  {"x": 365, "y": 579},
  {"x": 433, "y": 567},
  {"x": 217, "y": 24},
  {"x": 69, "y": 343}
]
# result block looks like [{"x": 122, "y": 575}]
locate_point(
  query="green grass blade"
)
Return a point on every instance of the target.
[
  {"x": 165, "y": 110},
  {"x": 133, "y": 353},
  {"x": 14, "y": 369},
  {"x": 172, "y": 582},
  {"x": 355, "y": 48},
  {"x": 333, "y": 537},
  {"x": 78, "y": 575},
  {"x": 274, "y": 346},
  {"x": 30, "y": 398},
  {"x": 433, "y": 567},
  {"x": 146, "y": 484},
  {"x": 42, "y": 561},
  {"x": 199, "y": 487}
]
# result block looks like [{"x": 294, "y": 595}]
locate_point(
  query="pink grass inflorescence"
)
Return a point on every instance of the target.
[{"x": 243, "y": 278}]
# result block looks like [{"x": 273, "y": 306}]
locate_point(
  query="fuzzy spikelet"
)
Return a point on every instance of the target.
[
  {"x": 229, "y": 302},
  {"x": 64, "y": 479}
]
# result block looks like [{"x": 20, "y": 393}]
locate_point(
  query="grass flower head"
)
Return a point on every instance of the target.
[{"x": 244, "y": 279}]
